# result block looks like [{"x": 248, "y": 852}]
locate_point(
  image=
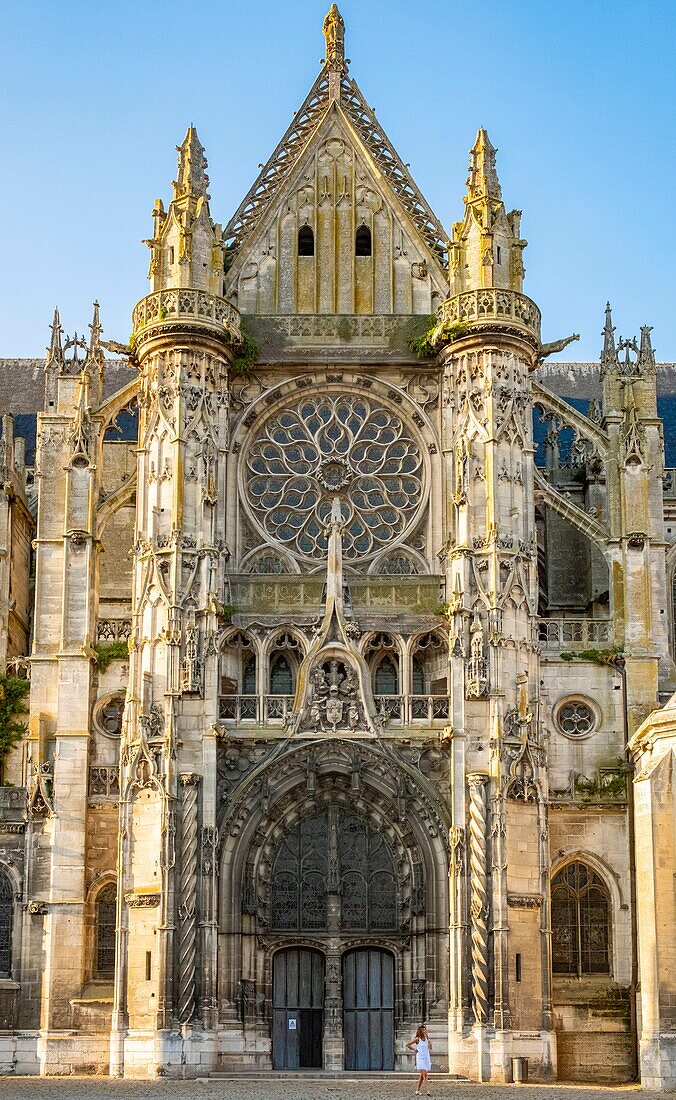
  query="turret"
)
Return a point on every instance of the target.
[
  {"x": 183, "y": 335},
  {"x": 487, "y": 248}
]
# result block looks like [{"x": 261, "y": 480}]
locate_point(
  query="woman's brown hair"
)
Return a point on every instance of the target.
[{"x": 419, "y": 1032}]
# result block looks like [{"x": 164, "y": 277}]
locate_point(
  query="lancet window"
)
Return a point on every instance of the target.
[
  {"x": 362, "y": 241},
  {"x": 306, "y": 241},
  {"x": 105, "y": 931},
  {"x": 6, "y": 915}
]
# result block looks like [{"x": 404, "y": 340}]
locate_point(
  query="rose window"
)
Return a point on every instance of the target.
[
  {"x": 575, "y": 718},
  {"x": 337, "y": 445}
]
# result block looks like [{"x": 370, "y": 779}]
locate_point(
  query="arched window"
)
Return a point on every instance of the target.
[
  {"x": 386, "y": 680},
  {"x": 362, "y": 241},
  {"x": 105, "y": 932},
  {"x": 249, "y": 686},
  {"x": 6, "y": 914},
  {"x": 299, "y": 877},
  {"x": 580, "y": 922},
  {"x": 306, "y": 241},
  {"x": 418, "y": 677},
  {"x": 281, "y": 676}
]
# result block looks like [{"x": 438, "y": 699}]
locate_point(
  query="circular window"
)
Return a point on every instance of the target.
[
  {"x": 337, "y": 444},
  {"x": 576, "y": 718},
  {"x": 108, "y": 715}
]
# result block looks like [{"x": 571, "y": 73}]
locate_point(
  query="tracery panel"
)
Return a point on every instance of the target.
[
  {"x": 338, "y": 444},
  {"x": 366, "y": 880}
]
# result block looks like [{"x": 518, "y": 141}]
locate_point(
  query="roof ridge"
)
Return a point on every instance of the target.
[{"x": 280, "y": 163}]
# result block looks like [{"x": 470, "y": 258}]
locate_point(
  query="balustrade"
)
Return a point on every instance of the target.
[{"x": 574, "y": 633}]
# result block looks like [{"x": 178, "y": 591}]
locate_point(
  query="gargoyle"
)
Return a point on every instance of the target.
[
  {"x": 556, "y": 345},
  {"x": 118, "y": 349}
]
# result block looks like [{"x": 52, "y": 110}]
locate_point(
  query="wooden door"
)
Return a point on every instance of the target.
[
  {"x": 368, "y": 1002},
  {"x": 298, "y": 1008}
]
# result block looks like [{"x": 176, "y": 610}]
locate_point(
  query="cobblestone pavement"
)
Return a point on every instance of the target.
[{"x": 78, "y": 1088}]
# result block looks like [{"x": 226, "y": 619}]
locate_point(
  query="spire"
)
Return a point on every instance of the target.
[
  {"x": 94, "y": 360},
  {"x": 192, "y": 164},
  {"x": 609, "y": 360},
  {"x": 54, "y": 363},
  {"x": 55, "y": 349},
  {"x": 96, "y": 330},
  {"x": 186, "y": 248},
  {"x": 334, "y": 33},
  {"x": 482, "y": 181},
  {"x": 334, "y": 571}
]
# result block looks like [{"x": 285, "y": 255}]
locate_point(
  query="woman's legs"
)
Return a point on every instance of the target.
[
  {"x": 425, "y": 1081},
  {"x": 421, "y": 1079}
]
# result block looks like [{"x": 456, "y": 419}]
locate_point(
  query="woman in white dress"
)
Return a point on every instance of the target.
[{"x": 422, "y": 1048}]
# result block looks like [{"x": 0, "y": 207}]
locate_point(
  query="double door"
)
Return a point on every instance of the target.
[{"x": 298, "y": 991}]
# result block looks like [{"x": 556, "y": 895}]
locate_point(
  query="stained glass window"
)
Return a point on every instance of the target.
[
  {"x": 105, "y": 932},
  {"x": 281, "y": 676},
  {"x": 580, "y": 922},
  {"x": 337, "y": 444},
  {"x": 366, "y": 877},
  {"x": 6, "y": 913}
]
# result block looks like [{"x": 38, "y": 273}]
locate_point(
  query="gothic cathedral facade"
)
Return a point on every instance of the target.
[{"x": 345, "y": 636}]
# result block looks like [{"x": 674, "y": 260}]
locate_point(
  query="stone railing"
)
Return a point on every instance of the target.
[
  {"x": 113, "y": 630},
  {"x": 490, "y": 305},
  {"x": 399, "y": 709},
  {"x": 251, "y": 593},
  {"x": 557, "y": 634},
  {"x": 185, "y": 304}
]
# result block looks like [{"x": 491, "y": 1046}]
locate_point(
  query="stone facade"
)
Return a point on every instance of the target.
[{"x": 343, "y": 620}]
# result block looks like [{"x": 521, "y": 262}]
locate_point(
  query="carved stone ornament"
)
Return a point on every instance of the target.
[
  {"x": 142, "y": 901},
  {"x": 37, "y": 908},
  {"x": 334, "y": 702},
  {"x": 524, "y": 901},
  {"x": 40, "y": 790}
]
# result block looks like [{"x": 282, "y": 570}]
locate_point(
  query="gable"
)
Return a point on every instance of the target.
[{"x": 341, "y": 203}]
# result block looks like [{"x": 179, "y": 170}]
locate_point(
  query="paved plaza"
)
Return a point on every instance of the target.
[{"x": 79, "y": 1088}]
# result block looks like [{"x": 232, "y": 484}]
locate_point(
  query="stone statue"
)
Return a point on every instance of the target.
[{"x": 334, "y": 33}]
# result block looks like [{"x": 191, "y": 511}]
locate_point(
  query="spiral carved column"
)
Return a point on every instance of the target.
[
  {"x": 187, "y": 910},
  {"x": 478, "y": 894}
]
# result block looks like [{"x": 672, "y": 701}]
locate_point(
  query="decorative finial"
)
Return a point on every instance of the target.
[
  {"x": 192, "y": 164},
  {"x": 334, "y": 33},
  {"x": 482, "y": 181}
]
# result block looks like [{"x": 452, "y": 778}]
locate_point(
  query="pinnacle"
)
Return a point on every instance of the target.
[
  {"x": 482, "y": 181},
  {"x": 55, "y": 349},
  {"x": 192, "y": 164}
]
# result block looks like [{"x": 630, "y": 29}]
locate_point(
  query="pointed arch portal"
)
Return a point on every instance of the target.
[{"x": 333, "y": 886}]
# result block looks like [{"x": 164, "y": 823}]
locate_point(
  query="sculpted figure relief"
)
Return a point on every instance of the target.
[{"x": 334, "y": 698}]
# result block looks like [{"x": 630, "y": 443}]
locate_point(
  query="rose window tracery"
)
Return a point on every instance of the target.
[{"x": 337, "y": 444}]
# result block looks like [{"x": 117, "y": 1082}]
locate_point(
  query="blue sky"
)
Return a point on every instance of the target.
[{"x": 578, "y": 98}]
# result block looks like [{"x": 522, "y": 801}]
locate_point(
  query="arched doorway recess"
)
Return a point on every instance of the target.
[{"x": 336, "y": 848}]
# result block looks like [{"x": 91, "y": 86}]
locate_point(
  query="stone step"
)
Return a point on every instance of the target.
[{"x": 344, "y": 1076}]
